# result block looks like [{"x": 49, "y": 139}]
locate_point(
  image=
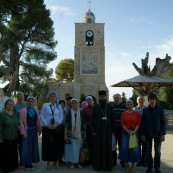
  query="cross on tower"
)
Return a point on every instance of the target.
[{"x": 89, "y": 3}]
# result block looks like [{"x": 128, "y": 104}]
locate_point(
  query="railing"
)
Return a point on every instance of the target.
[{"x": 168, "y": 114}]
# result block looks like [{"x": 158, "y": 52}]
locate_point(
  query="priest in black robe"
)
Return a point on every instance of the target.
[{"x": 101, "y": 128}]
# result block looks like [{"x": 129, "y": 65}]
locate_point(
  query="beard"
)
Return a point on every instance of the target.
[{"x": 102, "y": 103}]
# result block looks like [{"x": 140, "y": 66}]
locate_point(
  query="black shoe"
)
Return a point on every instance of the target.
[
  {"x": 144, "y": 164},
  {"x": 157, "y": 171},
  {"x": 115, "y": 163},
  {"x": 5, "y": 171},
  {"x": 123, "y": 165},
  {"x": 149, "y": 170},
  {"x": 29, "y": 167},
  {"x": 139, "y": 164},
  {"x": 97, "y": 169}
]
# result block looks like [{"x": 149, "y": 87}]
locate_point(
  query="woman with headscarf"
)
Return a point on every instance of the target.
[
  {"x": 52, "y": 138},
  {"x": 75, "y": 131},
  {"x": 8, "y": 137},
  {"x": 130, "y": 121},
  {"x": 84, "y": 104},
  {"x": 88, "y": 110},
  {"x": 30, "y": 125}
]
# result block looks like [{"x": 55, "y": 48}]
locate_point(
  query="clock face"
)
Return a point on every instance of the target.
[{"x": 89, "y": 33}]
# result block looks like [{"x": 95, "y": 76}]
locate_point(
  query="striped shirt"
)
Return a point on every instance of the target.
[{"x": 117, "y": 113}]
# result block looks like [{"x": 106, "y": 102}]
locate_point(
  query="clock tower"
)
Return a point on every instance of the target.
[
  {"x": 89, "y": 62},
  {"x": 89, "y": 56}
]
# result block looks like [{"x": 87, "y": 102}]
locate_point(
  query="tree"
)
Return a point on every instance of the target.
[
  {"x": 164, "y": 94},
  {"x": 167, "y": 97},
  {"x": 65, "y": 70},
  {"x": 124, "y": 97},
  {"x": 82, "y": 98},
  {"x": 26, "y": 44}
]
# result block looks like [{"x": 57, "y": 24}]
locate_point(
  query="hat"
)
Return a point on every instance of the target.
[
  {"x": 84, "y": 102},
  {"x": 30, "y": 97},
  {"x": 74, "y": 100},
  {"x": 53, "y": 93},
  {"x": 102, "y": 93},
  {"x": 129, "y": 101},
  {"x": 89, "y": 97}
]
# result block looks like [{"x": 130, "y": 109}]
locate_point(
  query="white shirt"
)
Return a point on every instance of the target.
[{"x": 46, "y": 114}]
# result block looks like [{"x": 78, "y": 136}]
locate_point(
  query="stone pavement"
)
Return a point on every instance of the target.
[{"x": 166, "y": 160}]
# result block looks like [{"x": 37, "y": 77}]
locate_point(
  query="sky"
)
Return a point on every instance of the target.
[{"x": 132, "y": 28}]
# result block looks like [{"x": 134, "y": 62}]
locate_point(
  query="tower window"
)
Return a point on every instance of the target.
[{"x": 89, "y": 20}]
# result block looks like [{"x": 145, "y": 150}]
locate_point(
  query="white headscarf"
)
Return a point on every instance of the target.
[
  {"x": 76, "y": 122},
  {"x": 90, "y": 97},
  {"x": 30, "y": 97}
]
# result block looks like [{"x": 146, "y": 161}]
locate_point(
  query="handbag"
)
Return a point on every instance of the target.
[
  {"x": 133, "y": 141},
  {"x": 84, "y": 154}
]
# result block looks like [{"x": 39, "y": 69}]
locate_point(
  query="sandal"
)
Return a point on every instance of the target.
[
  {"x": 57, "y": 165},
  {"x": 48, "y": 166},
  {"x": 127, "y": 170},
  {"x": 72, "y": 167}
]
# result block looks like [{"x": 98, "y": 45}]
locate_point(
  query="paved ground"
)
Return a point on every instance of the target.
[{"x": 166, "y": 160}]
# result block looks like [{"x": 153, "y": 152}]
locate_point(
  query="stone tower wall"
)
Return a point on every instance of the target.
[{"x": 81, "y": 49}]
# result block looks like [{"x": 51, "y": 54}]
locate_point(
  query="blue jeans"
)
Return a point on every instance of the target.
[
  {"x": 30, "y": 150},
  {"x": 157, "y": 147}
]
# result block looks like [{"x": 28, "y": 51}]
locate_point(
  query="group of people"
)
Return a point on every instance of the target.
[
  {"x": 145, "y": 123},
  {"x": 65, "y": 128}
]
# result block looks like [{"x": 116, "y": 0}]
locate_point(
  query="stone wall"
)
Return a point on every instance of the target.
[
  {"x": 62, "y": 88},
  {"x": 75, "y": 90}
]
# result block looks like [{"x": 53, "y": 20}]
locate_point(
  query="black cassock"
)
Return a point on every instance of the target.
[{"x": 101, "y": 124}]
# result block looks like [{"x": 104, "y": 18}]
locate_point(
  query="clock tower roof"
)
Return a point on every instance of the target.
[{"x": 89, "y": 17}]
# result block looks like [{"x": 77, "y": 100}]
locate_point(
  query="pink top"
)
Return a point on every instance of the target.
[
  {"x": 23, "y": 120},
  {"x": 130, "y": 120},
  {"x": 88, "y": 112}
]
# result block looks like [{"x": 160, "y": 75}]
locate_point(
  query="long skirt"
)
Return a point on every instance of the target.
[
  {"x": 52, "y": 145},
  {"x": 72, "y": 150},
  {"x": 126, "y": 154},
  {"x": 90, "y": 143},
  {"x": 8, "y": 155},
  {"x": 30, "y": 150}
]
